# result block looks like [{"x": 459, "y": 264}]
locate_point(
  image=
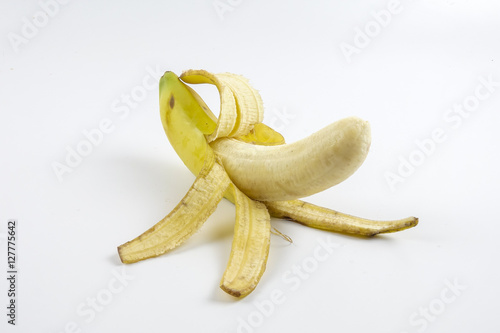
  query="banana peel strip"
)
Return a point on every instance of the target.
[
  {"x": 185, "y": 219},
  {"x": 240, "y": 104},
  {"x": 249, "y": 106},
  {"x": 250, "y": 248},
  {"x": 331, "y": 220}
]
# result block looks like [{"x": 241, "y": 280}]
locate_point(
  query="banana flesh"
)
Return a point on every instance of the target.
[
  {"x": 299, "y": 169},
  {"x": 244, "y": 160}
]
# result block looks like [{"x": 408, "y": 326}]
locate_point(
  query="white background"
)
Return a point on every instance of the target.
[{"x": 76, "y": 69}]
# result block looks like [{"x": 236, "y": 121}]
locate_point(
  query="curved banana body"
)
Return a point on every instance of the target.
[{"x": 299, "y": 169}]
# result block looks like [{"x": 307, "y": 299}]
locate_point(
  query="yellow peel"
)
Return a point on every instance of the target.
[
  {"x": 228, "y": 114},
  {"x": 263, "y": 135},
  {"x": 249, "y": 106},
  {"x": 184, "y": 220},
  {"x": 328, "y": 219},
  {"x": 250, "y": 247},
  {"x": 185, "y": 122}
]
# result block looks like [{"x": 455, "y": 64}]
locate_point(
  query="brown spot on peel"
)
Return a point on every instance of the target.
[{"x": 171, "y": 102}]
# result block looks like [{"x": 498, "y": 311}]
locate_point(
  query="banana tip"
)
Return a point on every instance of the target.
[
  {"x": 121, "y": 255},
  {"x": 232, "y": 292}
]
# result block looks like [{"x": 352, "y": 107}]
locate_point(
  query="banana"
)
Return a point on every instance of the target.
[{"x": 244, "y": 160}]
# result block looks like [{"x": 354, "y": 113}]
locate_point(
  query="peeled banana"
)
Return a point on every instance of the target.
[
  {"x": 299, "y": 169},
  {"x": 238, "y": 157}
]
